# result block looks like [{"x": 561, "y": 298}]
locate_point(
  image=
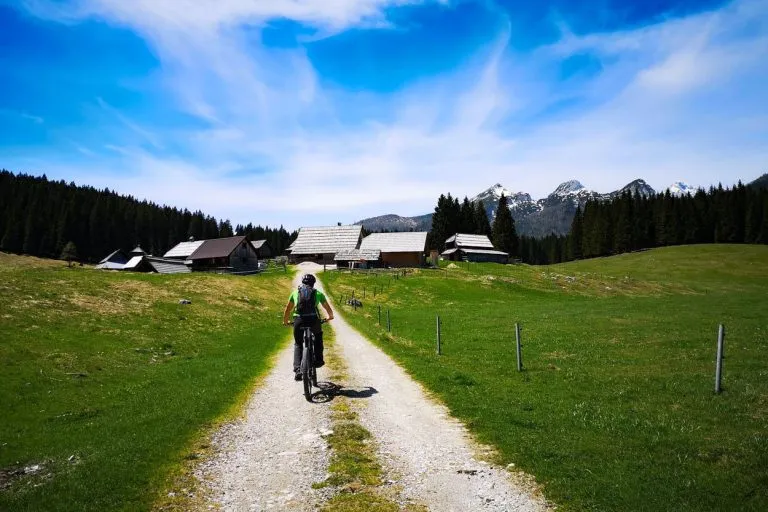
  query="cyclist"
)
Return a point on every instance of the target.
[{"x": 305, "y": 300}]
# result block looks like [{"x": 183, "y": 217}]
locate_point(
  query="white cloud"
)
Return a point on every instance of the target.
[{"x": 677, "y": 100}]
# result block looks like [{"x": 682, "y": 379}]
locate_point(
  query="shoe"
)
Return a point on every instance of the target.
[
  {"x": 297, "y": 376},
  {"x": 319, "y": 364}
]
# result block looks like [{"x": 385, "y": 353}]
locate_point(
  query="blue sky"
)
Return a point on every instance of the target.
[{"x": 309, "y": 112}]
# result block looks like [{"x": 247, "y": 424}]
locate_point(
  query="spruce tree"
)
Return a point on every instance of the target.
[
  {"x": 69, "y": 253},
  {"x": 482, "y": 226},
  {"x": 467, "y": 217},
  {"x": 503, "y": 230},
  {"x": 576, "y": 236}
]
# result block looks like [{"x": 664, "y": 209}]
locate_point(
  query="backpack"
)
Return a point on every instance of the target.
[{"x": 306, "y": 303}]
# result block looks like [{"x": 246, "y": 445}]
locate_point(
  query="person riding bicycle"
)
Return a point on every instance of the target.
[{"x": 305, "y": 300}]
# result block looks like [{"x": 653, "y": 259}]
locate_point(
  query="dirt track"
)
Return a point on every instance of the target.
[{"x": 269, "y": 460}]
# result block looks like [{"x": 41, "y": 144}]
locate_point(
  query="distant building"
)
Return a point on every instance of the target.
[
  {"x": 230, "y": 254},
  {"x": 263, "y": 249},
  {"x": 405, "y": 249},
  {"x": 116, "y": 260},
  {"x": 321, "y": 244},
  {"x": 358, "y": 258},
  {"x": 476, "y": 248}
]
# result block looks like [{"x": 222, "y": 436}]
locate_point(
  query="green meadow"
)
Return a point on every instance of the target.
[
  {"x": 107, "y": 381},
  {"x": 615, "y": 408}
]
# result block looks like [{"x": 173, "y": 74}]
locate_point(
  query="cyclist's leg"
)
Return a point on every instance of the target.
[
  {"x": 318, "y": 331},
  {"x": 297, "y": 344}
]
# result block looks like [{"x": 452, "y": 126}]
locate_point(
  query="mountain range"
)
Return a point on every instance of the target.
[{"x": 552, "y": 214}]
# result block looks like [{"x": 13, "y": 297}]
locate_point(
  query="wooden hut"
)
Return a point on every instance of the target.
[
  {"x": 263, "y": 249},
  {"x": 405, "y": 249},
  {"x": 476, "y": 248},
  {"x": 321, "y": 244}
]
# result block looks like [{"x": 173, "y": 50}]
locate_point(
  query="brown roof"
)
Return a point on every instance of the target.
[{"x": 217, "y": 248}]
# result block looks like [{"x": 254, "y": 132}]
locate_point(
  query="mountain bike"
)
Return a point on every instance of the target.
[{"x": 307, "y": 369}]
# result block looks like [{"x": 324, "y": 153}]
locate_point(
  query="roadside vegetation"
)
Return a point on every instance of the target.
[
  {"x": 107, "y": 381},
  {"x": 615, "y": 408}
]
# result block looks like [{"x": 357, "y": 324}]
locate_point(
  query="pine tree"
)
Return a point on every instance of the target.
[
  {"x": 503, "y": 232},
  {"x": 576, "y": 236},
  {"x": 467, "y": 217},
  {"x": 439, "y": 232},
  {"x": 482, "y": 226},
  {"x": 69, "y": 253}
]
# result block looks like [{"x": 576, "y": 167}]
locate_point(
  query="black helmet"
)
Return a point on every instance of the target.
[{"x": 308, "y": 279}]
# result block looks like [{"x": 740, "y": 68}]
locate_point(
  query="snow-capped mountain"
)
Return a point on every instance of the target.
[
  {"x": 552, "y": 214},
  {"x": 680, "y": 188},
  {"x": 519, "y": 203},
  {"x": 637, "y": 187}
]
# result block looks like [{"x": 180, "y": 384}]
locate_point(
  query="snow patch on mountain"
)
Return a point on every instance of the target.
[
  {"x": 680, "y": 188},
  {"x": 568, "y": 188}
]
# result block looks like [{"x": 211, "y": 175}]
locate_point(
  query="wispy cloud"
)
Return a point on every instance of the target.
[
  {"x": 143, "y": 133},
  {"x": 676, "y": 100}
]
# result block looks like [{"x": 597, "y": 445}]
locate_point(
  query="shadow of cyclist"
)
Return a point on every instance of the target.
[{"x": 330, "y": 390}]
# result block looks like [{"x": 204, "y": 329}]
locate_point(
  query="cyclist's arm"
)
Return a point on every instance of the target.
[
  {"x": 327, "y": 308},
  {"x": 287, "y": 312}
]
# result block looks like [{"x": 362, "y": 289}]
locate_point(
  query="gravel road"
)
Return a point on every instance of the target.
[{"x": 270, "y": 459}]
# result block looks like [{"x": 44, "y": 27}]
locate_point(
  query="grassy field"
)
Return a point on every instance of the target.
[
  {"x": 107, "y": 379},
  {"x": 615, "y": 409}
]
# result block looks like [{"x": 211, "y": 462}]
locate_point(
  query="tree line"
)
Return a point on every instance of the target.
[
  {"x": 622, "y": 224},
  {"x": 626, "y": 223},
  {"x": 40, "y": 217}
]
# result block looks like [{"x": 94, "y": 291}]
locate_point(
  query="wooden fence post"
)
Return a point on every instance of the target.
[
  {"x": 719, "y": 363},
  {"x": 438, "y": 334},
  {"x": 379, "y": 314},
  {"x": 519, "y": 348},
  {"x": 389, "y": 322}
]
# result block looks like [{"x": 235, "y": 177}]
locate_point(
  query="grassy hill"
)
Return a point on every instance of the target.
[
  {"x": 107, "y": 379},
  {"x": 615, "y": 409}
]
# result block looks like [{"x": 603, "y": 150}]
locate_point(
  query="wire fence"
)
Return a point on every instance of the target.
[{"x": 354, "y": 298}]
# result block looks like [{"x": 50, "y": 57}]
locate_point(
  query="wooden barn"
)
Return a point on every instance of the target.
[
  {"x": 476, "y": 248},
  {"x": 404, "y": 249},
  {"x": 230, "y": 254},
  {"x": 263, "y": 249},
  {"x": 321, "y": 244}
]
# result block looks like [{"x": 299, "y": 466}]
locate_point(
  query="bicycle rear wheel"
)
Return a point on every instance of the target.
[{"x": 306, "y": 373}]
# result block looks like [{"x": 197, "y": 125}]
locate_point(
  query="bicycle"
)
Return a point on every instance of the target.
[{"x": 307, "y": 368}]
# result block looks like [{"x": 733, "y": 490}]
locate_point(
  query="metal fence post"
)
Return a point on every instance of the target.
[
  {"x": 719, "y": 364},
  {"x": 379, "y": 314},
  {"x": 389, "y": 322},
  {"x": 519, "y": 349},
  {"x": 363, "y": 291},
  {"x": 438, "y": 334}
]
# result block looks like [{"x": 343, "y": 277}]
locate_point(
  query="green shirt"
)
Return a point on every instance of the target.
[{"x": 294, "y": 297}]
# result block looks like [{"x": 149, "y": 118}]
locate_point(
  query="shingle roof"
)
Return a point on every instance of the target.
[
  {"x": 184, "y": 249},
  {"x": 483, "y": 251},
  {"x": 168, "y": 266},
  {"x": 324, "y": 240},
  {"x": 475, "y": 241},
  {"x": 117, "y": 256},
  {"x": 109, "y": 265},
  {"x": 133, "y": 262},
  {"x": 357, "y": 254},
  {"x": 396, "y": 242},
  {"x": 217, "y": 248}
]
